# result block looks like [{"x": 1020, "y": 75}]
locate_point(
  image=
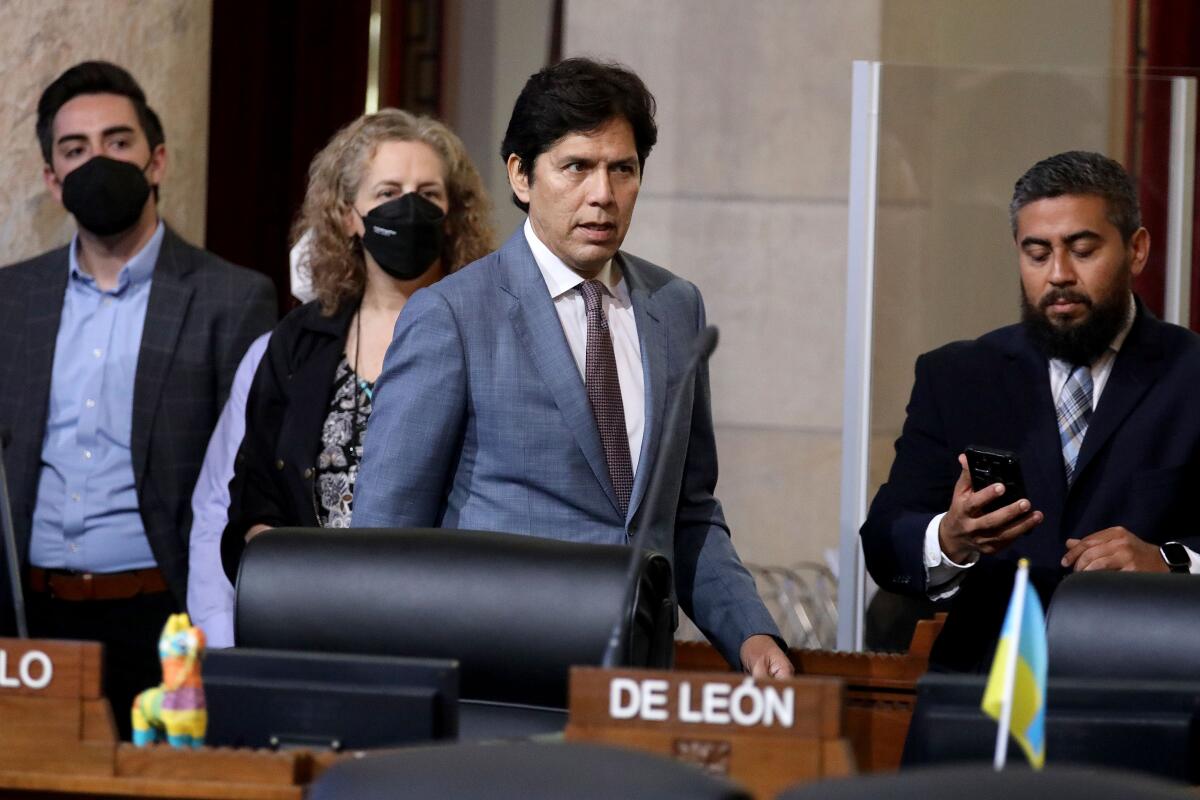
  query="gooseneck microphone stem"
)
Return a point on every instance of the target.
[
  {"x": 10, "y": 544},
  {"x": 702, "y": 347}
]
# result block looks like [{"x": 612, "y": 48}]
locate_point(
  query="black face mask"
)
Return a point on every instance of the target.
[
  {"x": 105, "y": 195},
  {"x": 404, "y": 235}
]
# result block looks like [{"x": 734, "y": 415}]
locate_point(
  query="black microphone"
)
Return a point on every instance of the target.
[
  {"x": 702, "y": 347},
  {"x": 10, "y": 541}
]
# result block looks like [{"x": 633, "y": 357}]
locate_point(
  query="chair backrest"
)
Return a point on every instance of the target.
[
  {"x": 515, "y": 611},
  {"x": 1147, "y": 726},
  {"x": 566, "y": 770},
  {"x": 1124, "y": 625},
  {"x": 984, "y": 783}
]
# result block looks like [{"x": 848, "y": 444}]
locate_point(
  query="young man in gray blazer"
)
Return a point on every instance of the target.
[
  {"x": 116, "y": 355},
  {"x": 527, "y": 393}
]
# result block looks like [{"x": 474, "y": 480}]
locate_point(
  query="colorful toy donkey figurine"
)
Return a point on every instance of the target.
[{"x": 175, "y": 708}]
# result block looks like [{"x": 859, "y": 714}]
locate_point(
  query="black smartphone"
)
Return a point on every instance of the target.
[{"x": 989, "y": 465}]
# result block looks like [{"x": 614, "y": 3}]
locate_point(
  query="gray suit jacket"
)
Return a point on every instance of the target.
[
  {"x": 482, "y": 422},
  {"x": 201, "y": 315}
]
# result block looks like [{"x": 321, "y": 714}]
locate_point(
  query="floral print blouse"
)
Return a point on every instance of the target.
[{"x": 341, "y": 447}]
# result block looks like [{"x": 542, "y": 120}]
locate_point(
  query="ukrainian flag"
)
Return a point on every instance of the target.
[{"x": 1016, "y": 688}]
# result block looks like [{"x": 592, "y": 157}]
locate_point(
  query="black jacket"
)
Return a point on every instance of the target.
[
  {"x": 285, "y": 410},
  {"x": 201, "y": 315},
  {"x": 1137, "y": 468}
]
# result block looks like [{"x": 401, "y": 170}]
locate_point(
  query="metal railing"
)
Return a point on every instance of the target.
[{"x": 802, "y": 599}]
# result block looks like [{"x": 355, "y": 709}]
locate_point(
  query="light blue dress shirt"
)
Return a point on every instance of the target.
[
  {"x": 209, "y": 593},
  {"x": 86, "y": 517}
]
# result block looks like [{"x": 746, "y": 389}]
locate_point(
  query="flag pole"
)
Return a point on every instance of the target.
[{"x": 1017, "y": 610}]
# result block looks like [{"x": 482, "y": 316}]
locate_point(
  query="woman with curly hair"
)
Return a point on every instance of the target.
[{"x": 393, "y": 205}]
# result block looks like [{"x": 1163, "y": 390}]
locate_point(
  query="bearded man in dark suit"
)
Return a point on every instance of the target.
[{"x": 1093, "y": 394}]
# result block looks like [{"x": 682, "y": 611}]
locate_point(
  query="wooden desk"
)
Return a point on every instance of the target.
[
  {"x": 160, "y": 771},
  {"x": 880, "y": 693},
  {"x": 57, "y": 738},
  {"x": 880, "y": 689}
]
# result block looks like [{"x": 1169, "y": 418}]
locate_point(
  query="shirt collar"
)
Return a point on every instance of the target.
[
  {"x": 137, "y": 270},
  {"x": 561, "y": 279}
]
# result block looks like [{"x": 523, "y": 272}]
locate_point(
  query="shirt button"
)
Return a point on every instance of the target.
[
  {"x": 90, "y": 403},
  {"x": 97, "y": 352},
  {"x": 279, "y": 464},
  {"x": 73, "y": 547},
  {"x": 87, "y": 453},
  {"x": 75, "y": 496},
  {"x": 308, "y": 473},
  {"x": 107, "y": 301}
]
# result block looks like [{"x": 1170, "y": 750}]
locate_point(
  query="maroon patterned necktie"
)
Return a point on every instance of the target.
[{"x": 604, "y": 393}]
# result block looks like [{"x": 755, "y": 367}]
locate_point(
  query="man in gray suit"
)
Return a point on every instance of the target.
[
  {"x": 116, "y": 355},
  {"x": 527, "y": 393}
]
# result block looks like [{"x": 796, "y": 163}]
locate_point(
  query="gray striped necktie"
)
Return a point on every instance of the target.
[
  {"x": 1074, "y": 410},
  {"x": 604, "y": 393}
]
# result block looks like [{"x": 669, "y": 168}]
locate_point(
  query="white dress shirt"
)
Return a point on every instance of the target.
[
  {"x": 562, "y": 283},
  {"x": 944, "y": 575}
]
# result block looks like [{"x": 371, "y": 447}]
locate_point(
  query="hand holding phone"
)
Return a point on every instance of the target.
[
  {"x": 988, "y": 466},
  {"x": 984, "y": 518}
]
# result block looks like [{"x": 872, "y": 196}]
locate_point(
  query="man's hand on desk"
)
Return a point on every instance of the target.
[
  {"x": 762, "y": 658},
  {"x": 1113, "y": 549},
  {"x": 967, "y": 529}
]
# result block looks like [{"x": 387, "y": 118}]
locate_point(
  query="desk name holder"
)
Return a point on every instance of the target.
[
  {"x": 765, "y": 734},
  {"x": 52, "y": 711},
  {"x": 57, "y": 736},
  {"x": 24, "y": 675}
]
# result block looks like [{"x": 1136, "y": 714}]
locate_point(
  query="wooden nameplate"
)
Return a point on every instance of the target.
[
  {"x": 57, "y": 737},
  {"x": 766, "y": 734},
  {"x": 52, "y": 711}
]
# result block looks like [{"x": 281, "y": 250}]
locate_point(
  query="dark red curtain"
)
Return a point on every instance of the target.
[
  {"x": 1165, "y": 40},
  {"x": 286, "y": 75}
]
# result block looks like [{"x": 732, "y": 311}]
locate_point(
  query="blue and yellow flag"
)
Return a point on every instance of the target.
[{"x": 1016, "y": 689}]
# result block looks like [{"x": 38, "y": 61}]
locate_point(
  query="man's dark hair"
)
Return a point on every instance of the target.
[
  {"x": 1081, "y": 172},
  {"x": 577, "y": 95},
  {"x": 93, "y": 77}
]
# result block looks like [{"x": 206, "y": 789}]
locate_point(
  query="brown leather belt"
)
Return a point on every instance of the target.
[{"x": 75, "y": 586}]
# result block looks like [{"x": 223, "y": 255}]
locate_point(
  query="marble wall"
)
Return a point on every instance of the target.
[
  {"x": 495, "y": 45},
  {"x": 165, "y": 44},
  {"x": 1008, "y": 84},
  {"x": 746, "y": 195}
]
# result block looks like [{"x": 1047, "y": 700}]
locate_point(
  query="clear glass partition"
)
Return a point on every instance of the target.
[{"x": 934, "y": 155}]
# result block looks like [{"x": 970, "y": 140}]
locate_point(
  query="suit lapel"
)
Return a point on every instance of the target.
[
  {"x": 652, "y": 334},
  {"x": 43, "y": 316},
  {"x": 315, "y": 370},
  {"x": 539, "y": 330},
  {"x": 1028, "y": 386},
  {"x": 1136, "y": 368},
  {"x": 166, "y": 309}
]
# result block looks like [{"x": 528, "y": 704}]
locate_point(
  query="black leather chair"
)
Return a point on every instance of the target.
[
  {"x": 565, "y": 771},
  {"x": 1118, "y": 625},
  {"x": 1123, "y": 688},
  {"x": 515, "y": 611},
  {"x": 983, "y": 783}
]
